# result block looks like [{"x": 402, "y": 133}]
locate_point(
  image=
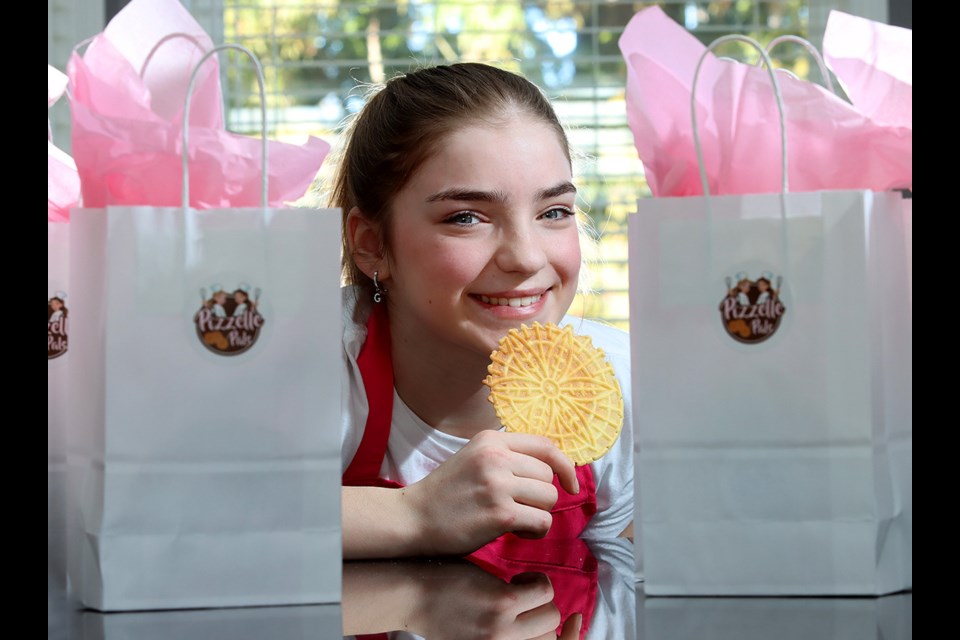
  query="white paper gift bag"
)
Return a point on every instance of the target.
[
  {"x": 58, "y": 252},
  {"x": 63, "y": 193},
  {"x": 772, "y": 360},
  {"x": 203, "y": 453}
]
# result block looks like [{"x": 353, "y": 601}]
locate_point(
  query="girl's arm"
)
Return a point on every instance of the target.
[{"x": 498, "y": 483}]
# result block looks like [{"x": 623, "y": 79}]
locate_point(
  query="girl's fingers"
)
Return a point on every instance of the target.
[
  {"x": 542, "y": 621},
  {"x": 530, "y": 590},
  {"x": 530, "y": 522},
  {"x": 571, "y": 628},
  {"x": 543, "y": 449},
  {"x": 534, "y": 493},
  {"x": 526, "y": 466}
]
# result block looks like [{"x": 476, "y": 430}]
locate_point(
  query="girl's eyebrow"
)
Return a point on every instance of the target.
[
  {"x": 498, "y": 197},
  {"x": 468, "y": 195},
  {"x": 559, "y": 190}
]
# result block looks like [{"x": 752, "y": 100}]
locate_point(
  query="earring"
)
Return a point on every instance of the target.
[{"x": 377, "y": 291}]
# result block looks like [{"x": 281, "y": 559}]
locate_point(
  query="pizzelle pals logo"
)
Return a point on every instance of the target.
[
  {"x": 57, "y": 325},
  {"x": 228, "y": 323},
  {"x": 752, "y": 309}
]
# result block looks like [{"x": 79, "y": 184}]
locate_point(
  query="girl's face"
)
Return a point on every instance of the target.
[
  {"x": 220, "y": 297},
  {"x": 240, "y": 297},
  {"x": 484, "y": 238},
  {"x": 56, "y": 305}
]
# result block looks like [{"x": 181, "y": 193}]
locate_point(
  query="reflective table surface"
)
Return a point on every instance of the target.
[{"x": 585, "y": 590}]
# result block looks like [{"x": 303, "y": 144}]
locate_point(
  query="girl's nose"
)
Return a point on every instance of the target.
[{"x": 521, "y": 250}]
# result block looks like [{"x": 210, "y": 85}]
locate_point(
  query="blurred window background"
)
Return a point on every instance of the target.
[{"x": 319, "y": 55}]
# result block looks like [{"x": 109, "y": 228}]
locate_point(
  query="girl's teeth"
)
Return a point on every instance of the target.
[{"x": 525, "y": 301}]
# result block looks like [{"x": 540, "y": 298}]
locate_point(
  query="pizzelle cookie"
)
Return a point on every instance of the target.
[{"x": 549, "y": 381}]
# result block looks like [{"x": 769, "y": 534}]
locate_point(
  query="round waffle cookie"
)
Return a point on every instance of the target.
[{"x": 549, "y": 381}]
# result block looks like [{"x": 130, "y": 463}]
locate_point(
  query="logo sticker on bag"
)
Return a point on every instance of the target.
[
  {"x": 752, "y": 309},
  {"x": 56, "y": 325},
  {"x": 228, "y": 322}
]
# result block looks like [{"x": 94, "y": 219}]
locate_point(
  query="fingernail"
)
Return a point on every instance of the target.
[{"x": 576, "y": 486}]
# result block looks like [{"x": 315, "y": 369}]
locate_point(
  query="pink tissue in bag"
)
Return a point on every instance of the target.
[
  {"x": 874, "y": 64},
  {"x": 127, "y": 129},
  {"x": 831, "y": 144},
  {"x": 63, "y": 183}
]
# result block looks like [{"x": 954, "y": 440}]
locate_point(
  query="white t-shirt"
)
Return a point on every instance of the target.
[{"x": 415, "y": 448}]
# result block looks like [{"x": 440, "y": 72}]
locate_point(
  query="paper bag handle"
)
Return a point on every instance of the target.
[
  {"x": 263, "y": 120},
  {"x": 165, "y": 39},
  {"x": 812, "y": 50},
  {"x": 776, "y": 91}
]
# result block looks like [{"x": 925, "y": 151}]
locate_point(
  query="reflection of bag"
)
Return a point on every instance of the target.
[
  {"x": 204, "y": 447},
  {"x": 772, "y": 358},
  {"x": 765, "y": 618},
  {"x": 242, "y": 623}
]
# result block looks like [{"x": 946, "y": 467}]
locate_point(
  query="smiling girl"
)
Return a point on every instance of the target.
[{"x": 459, "y": 223}]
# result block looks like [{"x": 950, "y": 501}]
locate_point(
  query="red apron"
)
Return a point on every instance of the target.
[{"x": 573, "y": 575}]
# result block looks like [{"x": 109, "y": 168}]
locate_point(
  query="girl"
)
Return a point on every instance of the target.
[{"x": 459, "y": 223}]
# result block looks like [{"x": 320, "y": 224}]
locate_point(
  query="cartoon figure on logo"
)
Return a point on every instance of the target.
[
  {"x": 228, "y": 324},
  {"x": 765, "y": 287},
  {"x": 242, "y": 299},
  {"x": 217, "y": 300},
  {"x": 751, "y": 310},
  {"x": 742, "y": 290},
  {"x": 55, "y": 309},
  {"x": 56, "y": 325}
]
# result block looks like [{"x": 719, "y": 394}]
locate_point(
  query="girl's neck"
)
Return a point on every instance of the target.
[{"x": 443, "y": 385}]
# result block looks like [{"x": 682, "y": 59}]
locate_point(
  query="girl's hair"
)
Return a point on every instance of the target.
[{"x": 405, "y": 122}]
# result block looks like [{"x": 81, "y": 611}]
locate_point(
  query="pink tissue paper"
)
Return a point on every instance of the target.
[
  {"x": 831, "y": 143},
  {"x": 127, "y": 94},
  {"x": 63, "y": 183}
]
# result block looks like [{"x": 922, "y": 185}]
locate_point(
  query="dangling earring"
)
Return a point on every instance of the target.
[{"x": 377, "y": 291}]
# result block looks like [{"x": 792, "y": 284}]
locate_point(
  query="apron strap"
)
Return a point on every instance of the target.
[{"x": 376, "y": 371}]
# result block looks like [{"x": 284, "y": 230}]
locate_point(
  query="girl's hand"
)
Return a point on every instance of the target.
[
  {"x": 498, "y": 483},
  {"x": 479, "y": 606}
]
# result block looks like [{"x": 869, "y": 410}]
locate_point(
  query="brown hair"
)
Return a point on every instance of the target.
[{"x": 403, "y": 124}]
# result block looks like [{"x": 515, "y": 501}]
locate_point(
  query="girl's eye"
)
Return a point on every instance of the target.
[
  {"x": 463, "y": 218},
  {"x": 557, "y": 213}
]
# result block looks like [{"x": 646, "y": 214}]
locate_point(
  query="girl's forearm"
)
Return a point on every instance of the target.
[{"x": 379, "y": 523}]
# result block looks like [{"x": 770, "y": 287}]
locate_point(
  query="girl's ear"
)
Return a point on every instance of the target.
[{"x": 366, "y": 245}]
